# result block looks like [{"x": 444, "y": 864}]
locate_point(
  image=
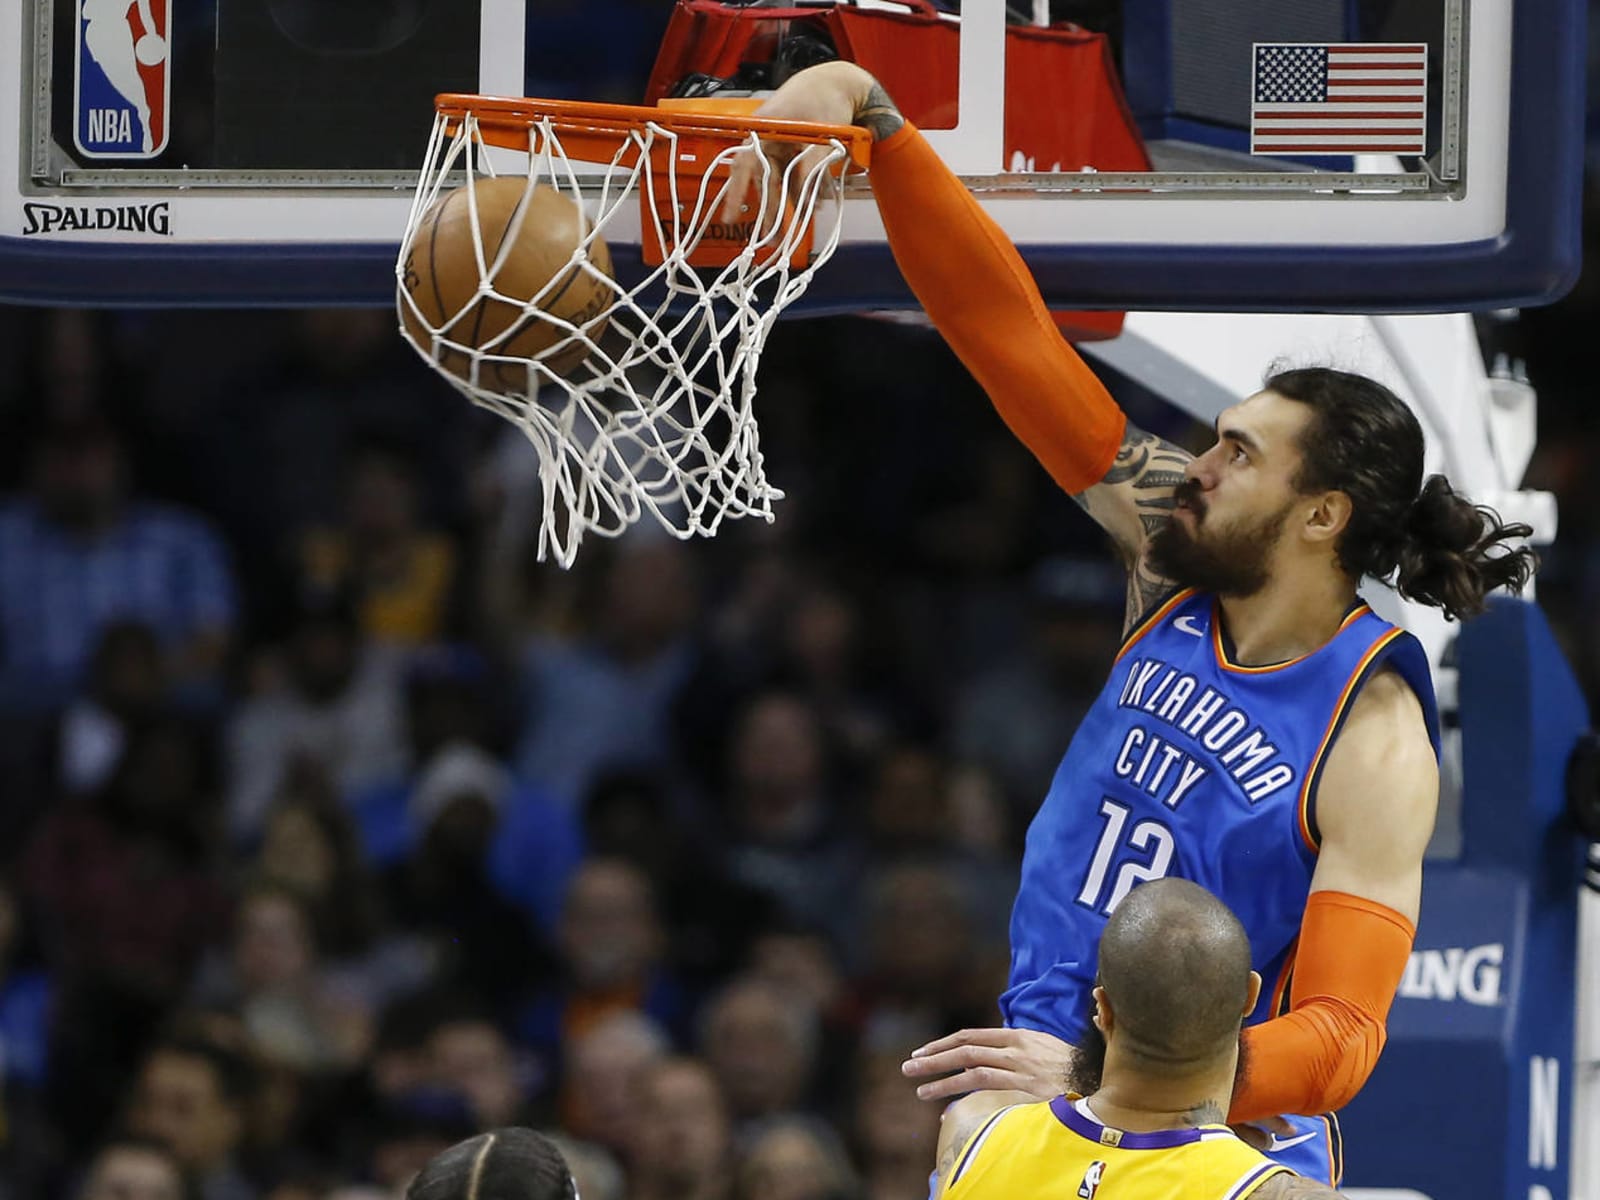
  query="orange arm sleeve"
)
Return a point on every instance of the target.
[
  {"x": 1315, "y": 1058},
  {"x": 976, "y": 289}
]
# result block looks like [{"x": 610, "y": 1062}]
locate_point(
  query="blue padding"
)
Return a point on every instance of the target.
[
  {"x": 1534, "y": 262},
  {"x": 1147, "y": 61},
  {"x": 1522, "y": 712},
  {"x": 1486, "y": 1005}
]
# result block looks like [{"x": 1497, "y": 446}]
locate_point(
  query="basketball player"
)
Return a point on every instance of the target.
[
  {"x": 1174, "y": 984},
  {"x": 112, "y": 44},
  {"x": 1262, "y": 733},
  {"x": 503, "y": 1164}
]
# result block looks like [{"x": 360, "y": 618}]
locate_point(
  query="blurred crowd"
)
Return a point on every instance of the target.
[{"x": 336, "y": 826}]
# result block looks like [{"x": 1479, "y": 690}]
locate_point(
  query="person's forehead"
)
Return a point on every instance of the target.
[{"x": 1268, "y": 417}]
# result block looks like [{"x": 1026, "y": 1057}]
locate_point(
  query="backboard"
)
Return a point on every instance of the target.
[{"x": 1337, "y": 155}]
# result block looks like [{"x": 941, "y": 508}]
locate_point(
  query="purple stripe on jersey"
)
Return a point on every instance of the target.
[
  {"x": 1083, "y": 1126},
  {"x": 1255, "y": 1177}
]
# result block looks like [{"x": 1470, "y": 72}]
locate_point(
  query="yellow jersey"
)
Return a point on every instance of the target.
[{"x": 1059, "y": 1151}]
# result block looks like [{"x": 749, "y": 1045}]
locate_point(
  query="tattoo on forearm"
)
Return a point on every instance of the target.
[
  {"x": 878, "y": 115},
  {"x": 1146, "y": 588},
  {"x": 1143, "y": 477},
  {"x": 1159, "y": 479},
  {"x": 1130, "y": 461}
]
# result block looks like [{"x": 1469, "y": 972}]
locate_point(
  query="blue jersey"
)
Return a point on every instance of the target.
[{"x": 1192, "y": 766}]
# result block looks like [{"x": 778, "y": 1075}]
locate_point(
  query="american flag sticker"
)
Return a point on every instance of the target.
[{"x": 1355, "y": 98}]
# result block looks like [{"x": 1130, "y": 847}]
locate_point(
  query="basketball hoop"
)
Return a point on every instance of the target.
[{"x": 656, "y": 417}]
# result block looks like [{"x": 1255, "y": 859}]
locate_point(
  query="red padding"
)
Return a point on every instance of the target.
[{"x": 1064, "y": 105}]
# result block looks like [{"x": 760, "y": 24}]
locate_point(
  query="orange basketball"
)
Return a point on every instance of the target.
[{"x": 441, "y": 274}]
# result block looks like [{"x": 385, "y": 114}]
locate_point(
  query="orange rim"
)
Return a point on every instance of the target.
[{"x": 587, "y": 128}]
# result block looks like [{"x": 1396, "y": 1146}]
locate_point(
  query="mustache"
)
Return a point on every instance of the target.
[{"x": 1187, "y": 493}]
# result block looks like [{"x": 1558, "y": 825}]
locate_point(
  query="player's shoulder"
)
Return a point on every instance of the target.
[
  {"x": 1387, "y": 710},
  {"x": 1382, "y": 768}
]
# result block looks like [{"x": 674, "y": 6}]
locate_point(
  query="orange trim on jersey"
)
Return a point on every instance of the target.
[
  {"x": 1280, "y": 989},
  {"x": 1152, "y": 620},
  {"x": 1356, "y": 613},
  {"x": 1335, "y": 1149},
  {"x": 1308, "y": 788}
]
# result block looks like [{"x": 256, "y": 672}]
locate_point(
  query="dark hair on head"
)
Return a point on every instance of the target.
[
  {"x": 1175, "y": 965},
  {"x": 234, "y": 1073},
  {"x": 1434, "y": 546},
  {"x": 348, "y": 915},
  {"x": 504, "y": 1164}
]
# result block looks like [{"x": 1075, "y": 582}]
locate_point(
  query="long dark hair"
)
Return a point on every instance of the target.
[{"x": 1434, "y": 546}]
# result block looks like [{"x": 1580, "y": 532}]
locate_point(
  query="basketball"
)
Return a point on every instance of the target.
[
  {"x": 150, "y": 50},
  {"x": 441, "y": 275}
]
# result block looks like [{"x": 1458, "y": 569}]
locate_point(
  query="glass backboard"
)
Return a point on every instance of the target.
[{"x": 1358, "y": 155}]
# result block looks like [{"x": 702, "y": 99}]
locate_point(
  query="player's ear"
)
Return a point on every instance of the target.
[
  {"x": 1253, "y": 994},
  {"x": 1330, "y": 513},
  {"x": 1102, "y": 1012}
]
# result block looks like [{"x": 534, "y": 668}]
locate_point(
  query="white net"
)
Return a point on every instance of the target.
[{"x": 657, "y": 416}]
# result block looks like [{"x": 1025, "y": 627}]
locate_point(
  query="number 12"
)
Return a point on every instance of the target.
[{"x": 1150, "y": 836}]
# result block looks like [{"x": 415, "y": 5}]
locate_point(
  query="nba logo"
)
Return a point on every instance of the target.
[
  {"x": 1091, "y": 1180},
  {"x": 123, "y": 80}
]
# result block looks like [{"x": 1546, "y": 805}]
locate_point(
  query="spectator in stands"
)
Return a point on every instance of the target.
[
  {"x": 907, "y": 806},
  {"x": 604, "y": 1066},
  {"x": 403, "y": 574},
  {"x": 641, "y": 818},
  {"x": 79, "y": 551},
  {"x": 298, "y": 1013},
  {"x": 605, "y": 701},
  {"x": 762, "y": 1045},
  {"x": 127, "y": 686},
  {"x": 895, "y": 1134},
  {"x": 782, "y": 814},
  {"x": 911, "y": 813},
  {"x": 1013, "y": 716},
  {"x": 193, "y": 1096},
  {"x": 470, "y": 1056},
  {"x": 825, "y": 657},
  {"x": 447, "y": 890},
  {"x": 794, "y": 1158},
  {"x": 924, "y": 966},
  {"x": 334, "y": 700},
  {"x": 134, "y": 1168},
  {"x": 682, "y": 1148},
  {"x": 125, "y": 896},
  {"x": 309, "y": 847},
  {"x": 612, "y": 959},
  {"x": 123, "y": 880}
]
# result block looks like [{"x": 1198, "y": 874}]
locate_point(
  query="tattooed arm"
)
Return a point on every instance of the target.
[
  {"x": 1133, "y": 500},
  {"x": 979, "y": 294}
]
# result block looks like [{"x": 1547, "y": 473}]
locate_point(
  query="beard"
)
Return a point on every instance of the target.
[
  {"x": 1231, "y": 559},
  {"x": 1089, "y": 1063}
]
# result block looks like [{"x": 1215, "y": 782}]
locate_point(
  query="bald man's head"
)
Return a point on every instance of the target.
[{"x": 1175, "y": 966}]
